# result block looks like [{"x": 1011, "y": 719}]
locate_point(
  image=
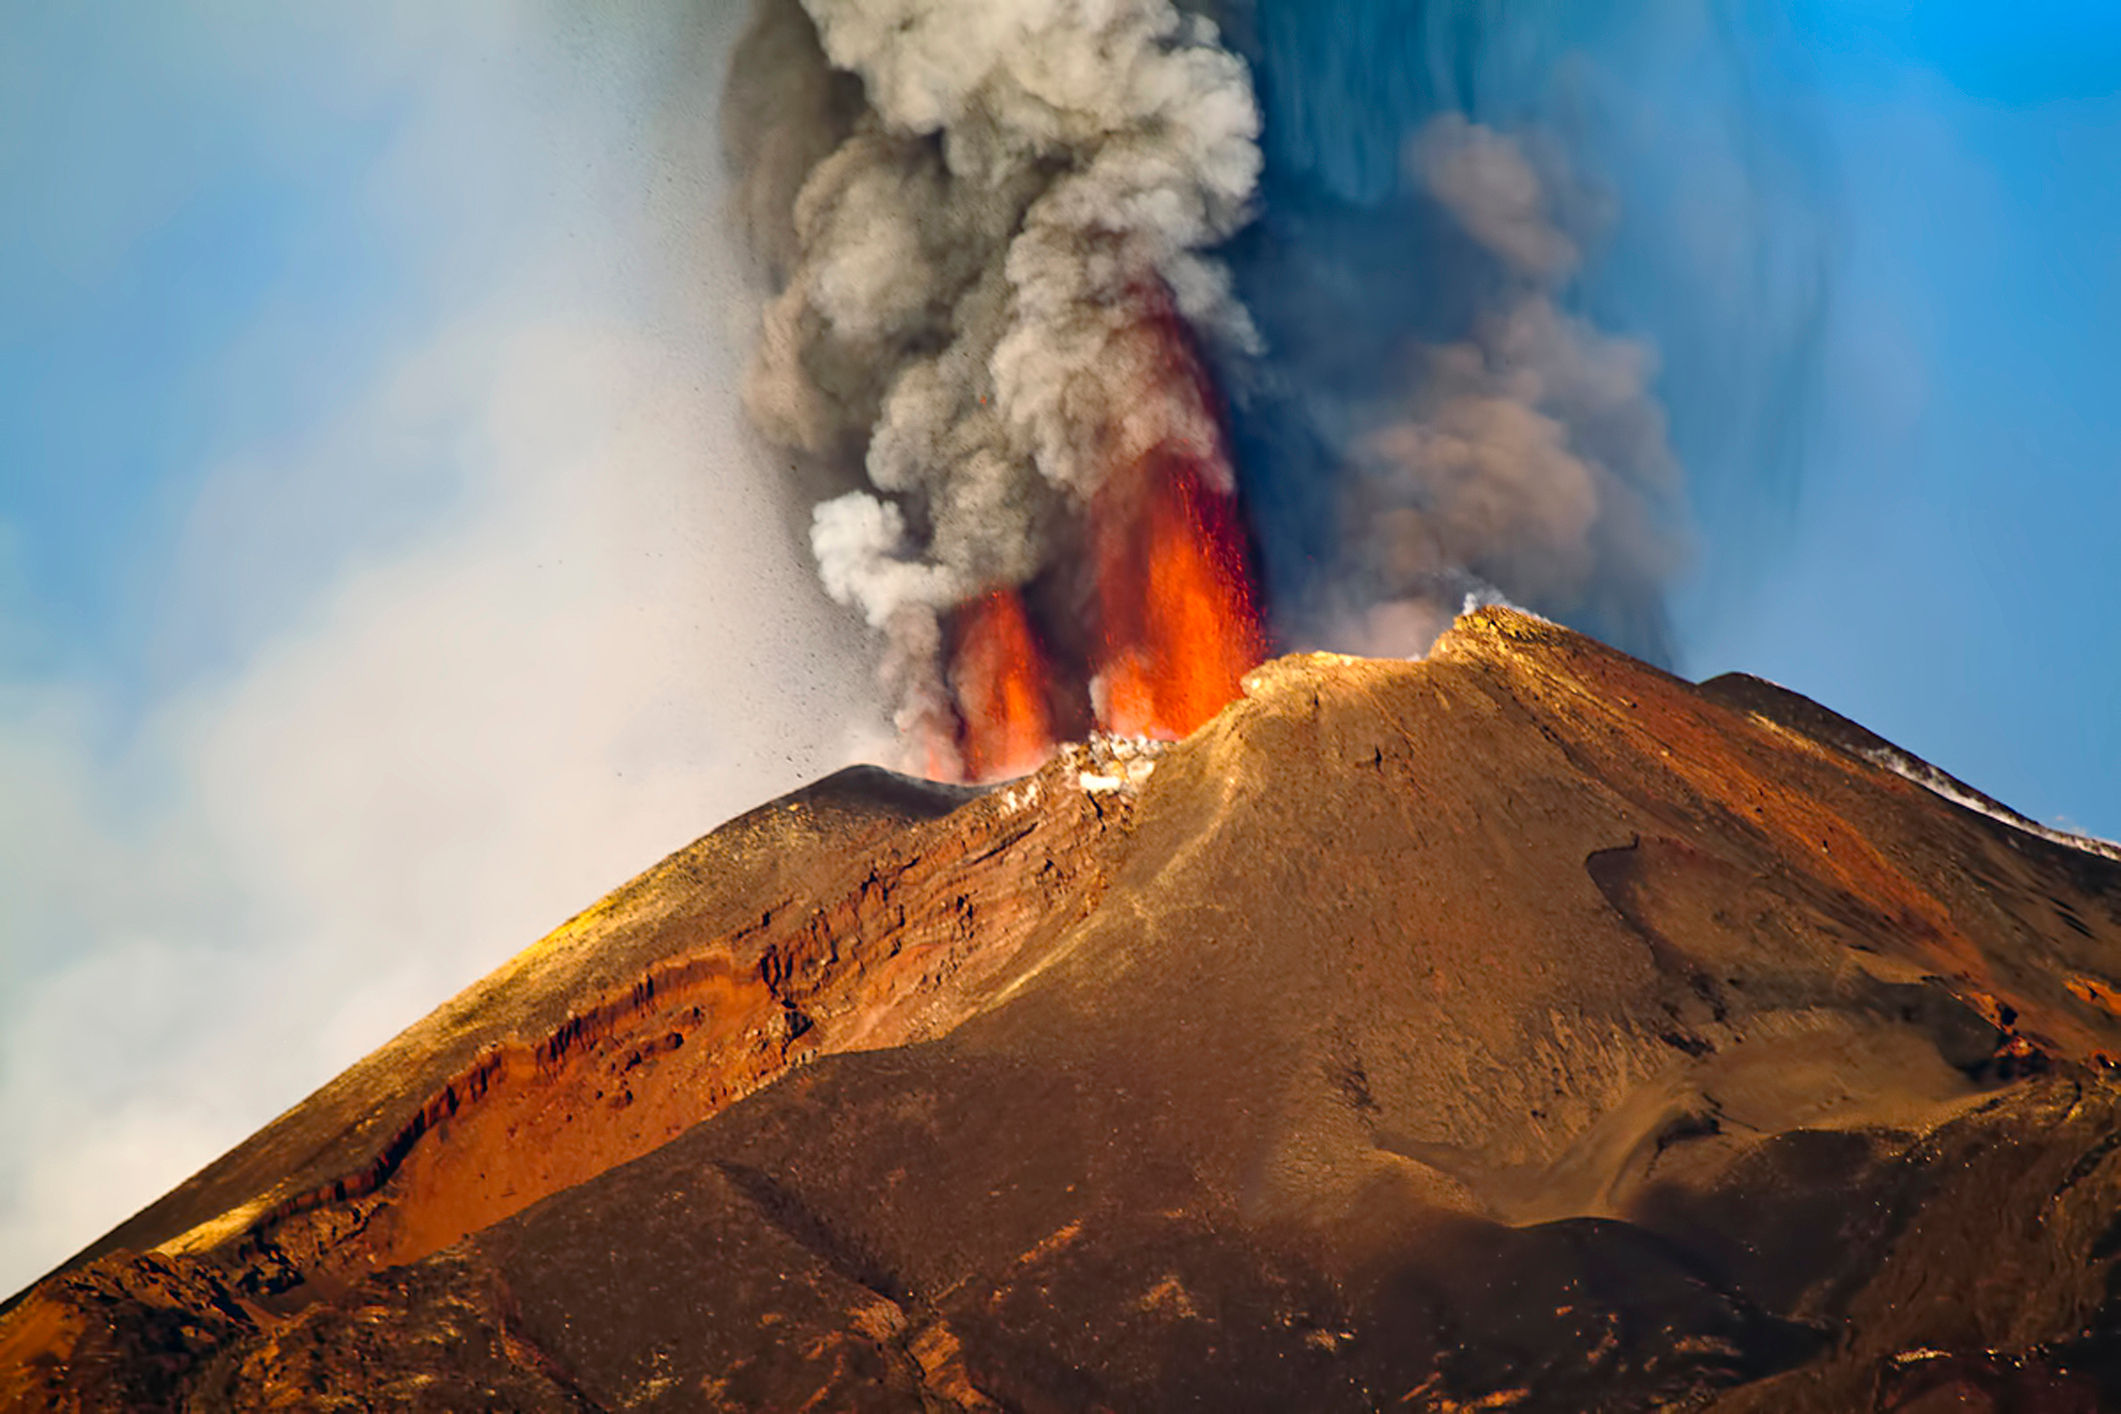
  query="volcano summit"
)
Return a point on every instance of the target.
[{"x": 1523, "y": 1028}]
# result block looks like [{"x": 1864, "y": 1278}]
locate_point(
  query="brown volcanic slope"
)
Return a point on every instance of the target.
[{"x": 1521, "y": 1029}]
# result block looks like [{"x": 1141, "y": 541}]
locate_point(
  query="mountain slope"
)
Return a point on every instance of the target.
[{"x": 1520, "y": 1028}]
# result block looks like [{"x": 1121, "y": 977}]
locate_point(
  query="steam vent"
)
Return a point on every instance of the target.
[{"x": 1519, "y": 1029}]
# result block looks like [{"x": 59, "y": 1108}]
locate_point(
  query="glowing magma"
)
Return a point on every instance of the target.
[
  {"x": 1179, "y": 626},
  {"x": 1001, "y": 682},
  {"x": 1174, "y": 618}
]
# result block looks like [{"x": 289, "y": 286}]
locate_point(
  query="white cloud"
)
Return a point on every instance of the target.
[{"x": 421, "y": 748}]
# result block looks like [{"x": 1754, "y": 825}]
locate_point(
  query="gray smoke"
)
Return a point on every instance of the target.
[
  {"x": 978, "y": 219},
  {"x": 1527, "y": 460},
  {"x": 964, "y": 273}
]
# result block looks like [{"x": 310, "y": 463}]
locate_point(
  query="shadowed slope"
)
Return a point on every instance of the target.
[{"x": 1523, "y": 1026}]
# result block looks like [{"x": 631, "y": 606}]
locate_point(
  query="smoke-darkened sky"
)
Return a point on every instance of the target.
[{"x": 384, "y": 569}]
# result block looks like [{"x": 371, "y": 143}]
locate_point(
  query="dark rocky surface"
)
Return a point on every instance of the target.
[{"x": 1521, "y": 1029}]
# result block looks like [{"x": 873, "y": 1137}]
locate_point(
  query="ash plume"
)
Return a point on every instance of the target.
[
  {"x": 1480, "y": 224},
  {"x": 1528, "y": 457},
  {"x": 962, "y": 271},
  {"x": 1026, "y": 258}
]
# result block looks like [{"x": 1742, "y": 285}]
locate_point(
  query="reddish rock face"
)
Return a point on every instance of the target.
[{"x": 1521, "y": 1029}]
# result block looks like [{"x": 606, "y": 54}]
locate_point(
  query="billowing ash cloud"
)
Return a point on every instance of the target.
[
  {"x": 1461, "y": 202},
  {"x": 1008, "y": 243},
  {"x": 1529, "y": 454},
  {"x": 963, "y": 270}
]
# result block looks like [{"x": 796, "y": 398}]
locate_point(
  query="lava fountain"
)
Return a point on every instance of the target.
[
  {"x": 1166, "y": 583},
  {"x": 1001, "y": 681},
  {"x": 1178, "y": 620}
]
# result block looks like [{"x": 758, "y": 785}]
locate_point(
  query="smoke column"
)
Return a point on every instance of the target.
[{"x": 1111, "y": 344}]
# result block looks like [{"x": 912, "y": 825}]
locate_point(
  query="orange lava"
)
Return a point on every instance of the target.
[
  {"x": 1179, "y": 617},
  {"x": 999, "y": 676},
  {"x": 1169, "y": 614}
]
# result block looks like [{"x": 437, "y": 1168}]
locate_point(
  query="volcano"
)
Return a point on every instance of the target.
[{"x": 1522, "y": 1028}]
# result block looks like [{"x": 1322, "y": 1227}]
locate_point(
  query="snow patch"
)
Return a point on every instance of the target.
[{"x": 1945, "y": 787}]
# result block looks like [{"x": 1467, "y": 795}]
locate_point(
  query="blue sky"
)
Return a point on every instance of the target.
[
  {"x": 381, "y": 576},
  {"x": 157, "y": 222},
  {"x": 382, "y": 571},
  {"x": 1954, "y": 562}
]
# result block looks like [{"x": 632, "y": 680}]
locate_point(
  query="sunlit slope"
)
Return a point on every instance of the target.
[{"x": 1524, "y": 1025}]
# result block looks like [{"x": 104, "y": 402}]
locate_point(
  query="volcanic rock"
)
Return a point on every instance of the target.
[{"x": 1522, "y": 1028}]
